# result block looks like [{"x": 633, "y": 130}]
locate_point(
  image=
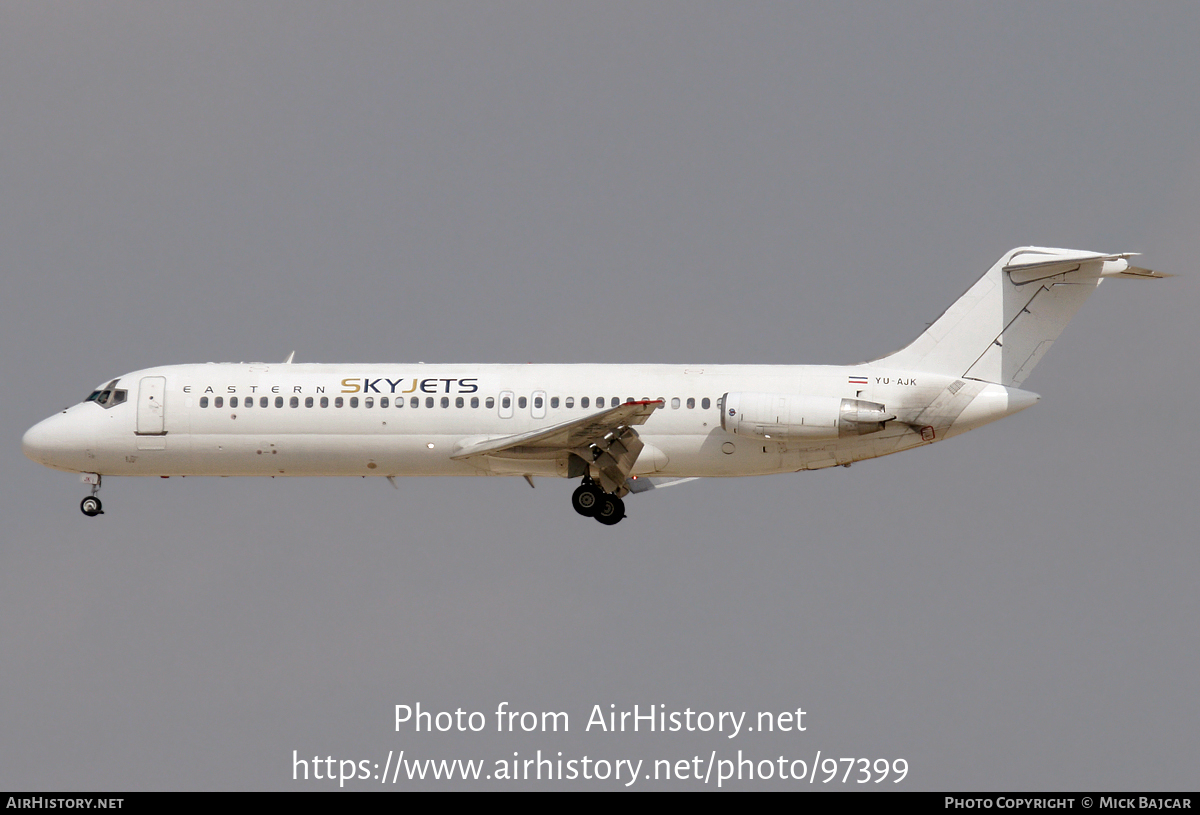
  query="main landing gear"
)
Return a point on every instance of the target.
[
  {"x": 91, "y": 505},
  {"x": 592, "y": 502}
]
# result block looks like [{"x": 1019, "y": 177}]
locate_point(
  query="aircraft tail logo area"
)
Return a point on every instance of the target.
[{"x": 1002, "y": 327}]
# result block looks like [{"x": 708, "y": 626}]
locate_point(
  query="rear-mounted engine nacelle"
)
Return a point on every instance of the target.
[{"x": 793, "y": 416}]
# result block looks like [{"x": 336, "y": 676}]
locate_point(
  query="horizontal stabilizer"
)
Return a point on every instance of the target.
[
  {"x": 1135, "y": 272},
  {"x": 1034, "y": 263}
]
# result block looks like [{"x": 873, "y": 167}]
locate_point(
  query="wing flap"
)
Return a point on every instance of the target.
[{"x": 565, "y": 436}]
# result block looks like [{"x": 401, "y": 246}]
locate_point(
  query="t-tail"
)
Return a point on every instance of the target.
[{"x": 1004, "y": 324}]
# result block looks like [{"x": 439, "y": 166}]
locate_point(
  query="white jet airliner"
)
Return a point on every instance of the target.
[{"x": 618, "y": 428}]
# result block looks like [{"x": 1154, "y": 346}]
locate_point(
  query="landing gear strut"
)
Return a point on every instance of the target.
[
  {"x": 592, "y": 502},
  {"x": 91, "y": 505}
]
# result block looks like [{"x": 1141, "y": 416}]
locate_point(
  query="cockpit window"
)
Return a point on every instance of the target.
[{"x": 108, "y": 396}]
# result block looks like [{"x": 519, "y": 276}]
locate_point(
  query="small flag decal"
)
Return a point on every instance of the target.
[{"x": 858, "y": 380}]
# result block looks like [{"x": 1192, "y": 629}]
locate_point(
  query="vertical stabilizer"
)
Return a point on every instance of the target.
[{"x": 1004, "y": 324}]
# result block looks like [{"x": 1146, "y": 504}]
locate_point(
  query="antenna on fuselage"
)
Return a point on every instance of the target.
[{"x": 291, "y": 356}]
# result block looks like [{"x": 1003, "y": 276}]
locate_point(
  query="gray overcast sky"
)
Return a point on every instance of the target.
[{"x": 627, "y": 182}]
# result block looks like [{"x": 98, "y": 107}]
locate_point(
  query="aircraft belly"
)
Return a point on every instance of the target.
[
  {"x": 497, "y": 465},
  {"x": 717, "y": 453},
  {"x": 342, "y": 455},
  {"x": 292, "y": 455}
]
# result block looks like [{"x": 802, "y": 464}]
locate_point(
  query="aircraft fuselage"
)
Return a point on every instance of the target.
[{"x": 399, "y": 420}]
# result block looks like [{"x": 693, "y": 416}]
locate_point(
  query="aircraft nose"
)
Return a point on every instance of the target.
[
  {"x": 38, "y": 441},
  {"x": 56, "y": 442}
]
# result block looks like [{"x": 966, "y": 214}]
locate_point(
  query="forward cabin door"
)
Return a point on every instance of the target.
[{"x": 151, "y": 393}]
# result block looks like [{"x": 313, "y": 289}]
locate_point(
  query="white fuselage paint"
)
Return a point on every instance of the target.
[{"x": 404, "y": 441}]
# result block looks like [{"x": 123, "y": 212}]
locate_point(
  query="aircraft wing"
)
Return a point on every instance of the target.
[
  {"x": 644, "y": 484},
  {"x": 605, "y": 439},
  {"x": 571, "y": 435}
]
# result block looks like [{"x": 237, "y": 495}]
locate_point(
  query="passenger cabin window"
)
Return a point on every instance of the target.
[
  {"x": 490, "y": 403},
  {"x": 338, "y": 402},
  {"x": 599, "y": 402},
  {"x": 324, "y": 401},
  {"x": 537, "y": 401},
  {"x": 474, "y": 401},
  {"x": 248, "y": 402},
  {"x": 383, "y": 401},
  {"x": 675, "y": 403},
  {"x": 691, "y": 402},
  {"x": 458, "y": 401},
  {"x": 705, "y": 403},
  {"x": 583, "y": 402},
  {"x": 369, "y": 402},
  {"x": 415, "y": 402},
  {"x": 218, "y": 402},
  {"x": 570, "y": 402},
  {"x": 445, "y": 401},
  {"x": 278, "y": 401},
  {"x": 506, "y": 402},
  {"x": 203, "y": 401},
  {"x": 353, "y": 401},
  {"x": 263, "y": 402},
  {"x": 428, "y": 401},
  {"x": 233, "y": 400},
  {"x": 294, "y": 401},
  {"x": 308, "y": 401},
  {"x": 522, "y": 401}
]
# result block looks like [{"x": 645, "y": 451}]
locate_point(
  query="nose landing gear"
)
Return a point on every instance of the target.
[
  {"x": 91, "y": 505},
  {"x": 592, "y": 502}
]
